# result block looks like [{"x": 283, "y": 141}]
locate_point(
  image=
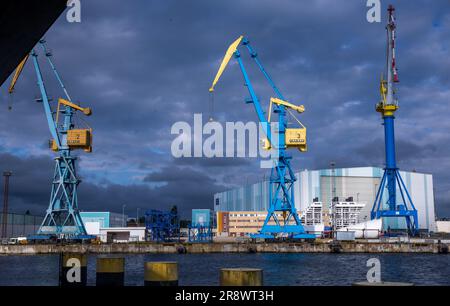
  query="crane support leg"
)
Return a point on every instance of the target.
[
  {"x": 62, "y": 217},
  {"x": 282, "y": 219}
]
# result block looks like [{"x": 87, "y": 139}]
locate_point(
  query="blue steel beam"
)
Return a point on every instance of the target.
[{"x": 48, "y": 111}]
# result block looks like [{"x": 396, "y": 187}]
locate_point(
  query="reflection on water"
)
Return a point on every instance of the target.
[{"x": 279, "y": 269}]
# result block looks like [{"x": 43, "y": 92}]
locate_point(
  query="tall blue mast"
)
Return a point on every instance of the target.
[{"x": 391, "y": 178}]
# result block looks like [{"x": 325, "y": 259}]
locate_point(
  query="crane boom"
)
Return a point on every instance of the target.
[
  {"x": 17, "y": 73},
  {"x": 297, "y": 108},
  {"x": 85, "y": 110},
  {"x": 48, "y": 111},
  {"x": 226, "y": 59}
]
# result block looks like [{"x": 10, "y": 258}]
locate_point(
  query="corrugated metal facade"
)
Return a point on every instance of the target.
[
  {"x": 359, "y": 183},
  {"x": 19, "y": 225}
]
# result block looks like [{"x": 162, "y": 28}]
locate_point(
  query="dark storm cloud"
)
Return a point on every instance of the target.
[
  {"x": 31, "y": 179},
  {"x": 30, "y": 182},
  {"x": 214, "y": 162},
  {"x": 143, "y": 65}
]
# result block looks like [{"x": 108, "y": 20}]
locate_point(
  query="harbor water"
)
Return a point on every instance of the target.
[{"x": 290, "y": 269}]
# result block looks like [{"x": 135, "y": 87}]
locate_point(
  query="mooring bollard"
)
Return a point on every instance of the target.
[
  {"x": 73, "y": 270},
  {"x": 161, "y": 274},
  {"x": 241, "y": 277},
  {"x": 110, "y": 271}
]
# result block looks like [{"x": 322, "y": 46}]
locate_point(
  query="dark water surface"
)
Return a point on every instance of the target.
[{"x": 279, "y": 269}]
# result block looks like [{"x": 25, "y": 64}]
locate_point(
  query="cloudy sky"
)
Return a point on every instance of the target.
[{"x": 144, "y": 65}]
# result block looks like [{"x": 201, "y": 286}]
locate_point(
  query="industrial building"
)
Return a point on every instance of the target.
[
  {"x": 443, "y": 226},
  {"x": 202, "y": 224},
  {"x": 111, "y": 227},
  {"x": 203, "y": 217},
  {"x": 103, "y": 218},
  {"x": 19, "y": 225},
  {"x": 359, "y": 185},
  {"x": 119, "y": 234},
  {"x": 241, "y": 223}
]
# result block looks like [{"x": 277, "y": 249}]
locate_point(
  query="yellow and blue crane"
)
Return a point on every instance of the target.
[
  {"x": 395, "y": 206},
  {"x": 282, "y": 219},
  {"x": 62, "y": 219}
]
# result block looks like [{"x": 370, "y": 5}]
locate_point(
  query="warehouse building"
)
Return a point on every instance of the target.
[
  {"x": 241, "y": 223},
  {"x": 111, "y": 227},
  {"x": 443, "y": 226},
  {"x": 103, "y": 219},
  {"x": 347, "y": 185}
]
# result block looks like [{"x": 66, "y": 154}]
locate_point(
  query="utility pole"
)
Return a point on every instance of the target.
[
  {"x": 123, "y": 215},
  {"x": 6, "y": 174},
  {"x": 333, "y": 197},
  {"x": 137, "y": 216}
]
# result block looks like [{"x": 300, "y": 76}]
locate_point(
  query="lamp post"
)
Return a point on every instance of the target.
[
  {"x": 137, "y": 216},
  {"x": 123, "y": 214},
  {"x": 333, "y": 196},
  {"x": 6, "y": 174}
]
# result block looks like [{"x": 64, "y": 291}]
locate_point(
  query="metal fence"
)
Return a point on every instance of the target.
[{"x": 18, "y": 225}]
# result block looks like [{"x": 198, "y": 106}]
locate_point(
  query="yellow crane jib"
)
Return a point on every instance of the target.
[
  {"x": 294, "y": 137},
  {"x": 17, "y": 74},
  {"x": 298, "y": 108},
  {"x": 85, "y": 110},
  {"x": 226, "y": 59}
]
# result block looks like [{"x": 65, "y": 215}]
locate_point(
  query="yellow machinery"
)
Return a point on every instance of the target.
[
  {"x": 76, "y": 138},
  {"x": 294, "y": 137}
]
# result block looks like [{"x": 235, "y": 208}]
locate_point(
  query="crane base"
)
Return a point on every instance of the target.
[
  {"x": 283, "y": 231},
  {"x": 271, "y": 236}
]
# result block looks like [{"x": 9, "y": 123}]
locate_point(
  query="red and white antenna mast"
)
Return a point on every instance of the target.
[{"x": 392, "y": 73}]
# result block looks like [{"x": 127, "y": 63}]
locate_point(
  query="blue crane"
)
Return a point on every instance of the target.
[
  {"x": 282, "y": 219},
  {"x": 62, "y": 217},
  {"x": 162, "y": 226},
  {"x": 393, "y": 207}
]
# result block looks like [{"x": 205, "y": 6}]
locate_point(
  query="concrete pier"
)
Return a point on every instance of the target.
[{"x": 195, "y": 248}]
